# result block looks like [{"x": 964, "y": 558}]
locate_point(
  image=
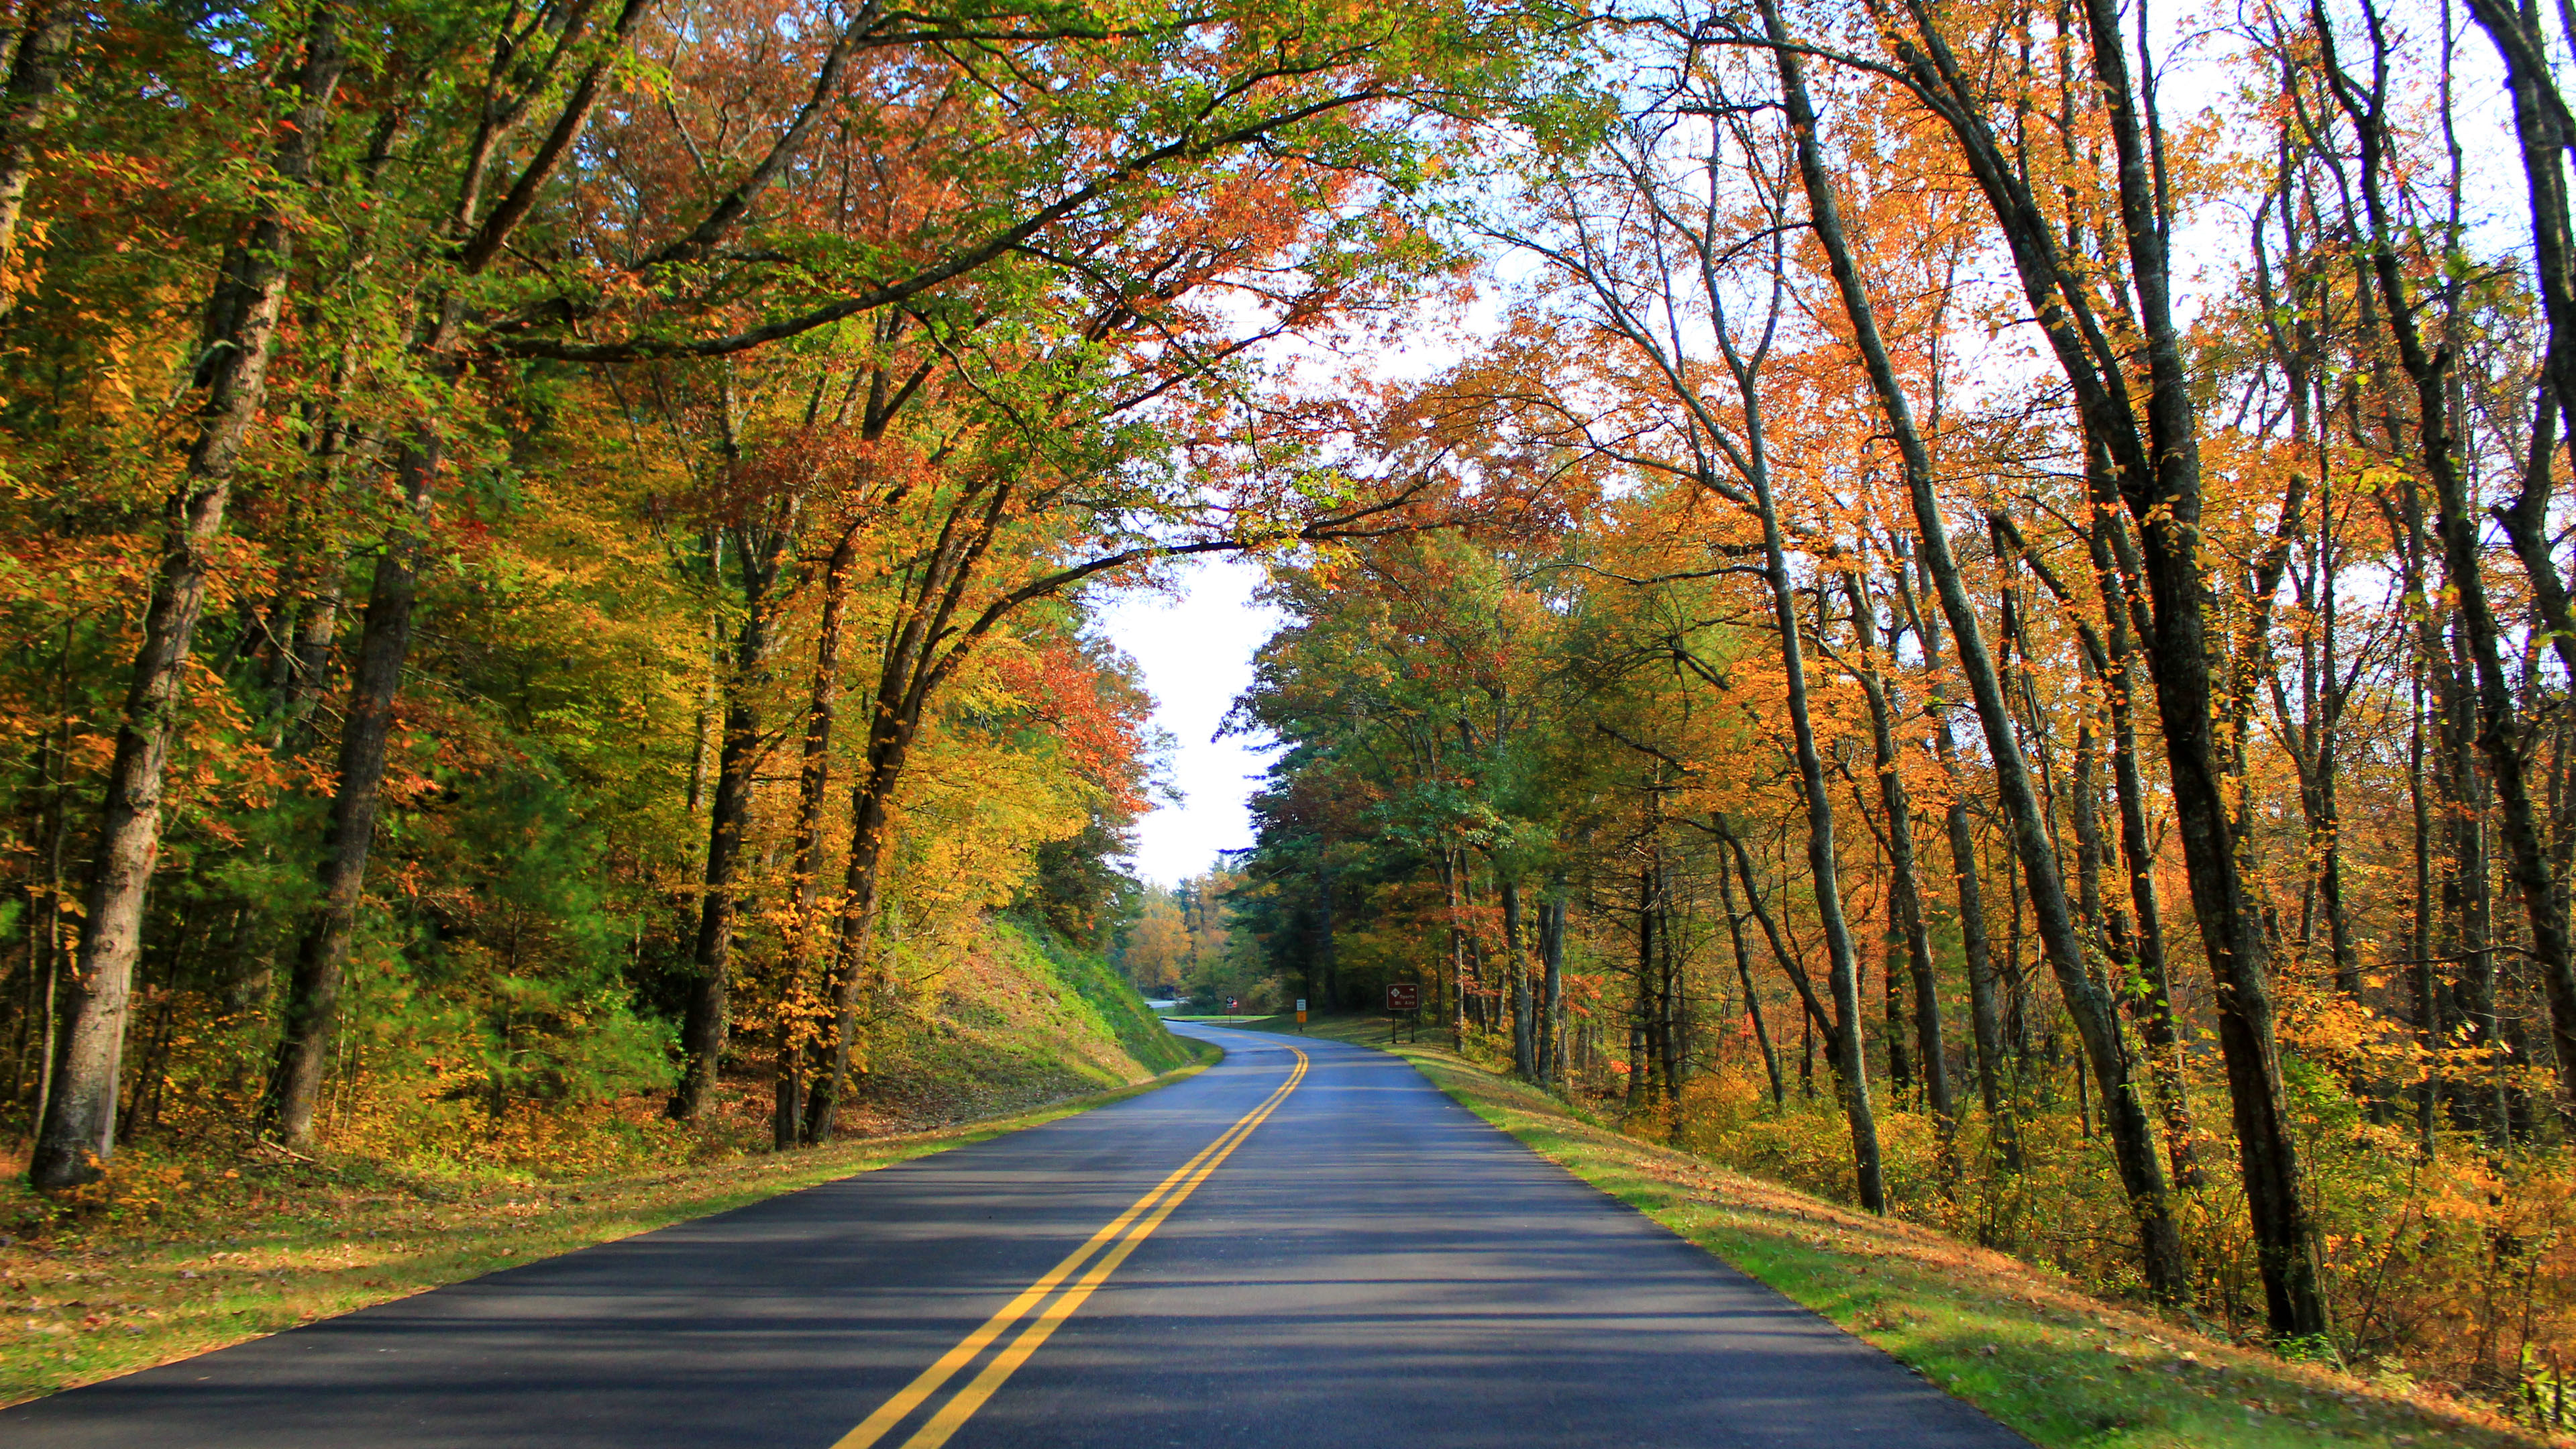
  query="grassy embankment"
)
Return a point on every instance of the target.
[
  {"x": 200, "y": 1250},
  {"x": 2023, "y": 1344}
]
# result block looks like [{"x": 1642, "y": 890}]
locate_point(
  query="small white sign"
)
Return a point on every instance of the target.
[{"x": 1301, "y": 1003}]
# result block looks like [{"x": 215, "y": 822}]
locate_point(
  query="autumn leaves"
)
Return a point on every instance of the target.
[{"x": 885, "y": 330}]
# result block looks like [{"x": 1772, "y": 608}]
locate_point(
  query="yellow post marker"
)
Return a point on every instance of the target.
[{"x": 1301, "y": 1014}]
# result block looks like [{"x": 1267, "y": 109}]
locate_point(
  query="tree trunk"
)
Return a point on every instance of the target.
[
  {"x": 2540, "y": 128},
  {"x": 1516, "y": 964},
  {"x": 78, "y": 1131},
  {"x": 1814, "y": 1013},
  {"x": 1643, "y": 1008},
  {"x": 704, "y": 1029},
  {"x": 2500, "y": 731},
  {"x": 1672, "y": 1021},
  {"x": 307, "y": 660},
  {"x": 2426, "y": 990},
  {"x": 1985, "y": 1015},
  {"x": 1851, "y": 1067},
  {"x": 889, "y": 745},
  {"x": 1551, "y": 1045},
  {"x": 2162, "y": 486},
  {"x": 287, "y": 1104},
  {"x": 1752, "y": 997},
  {"x": 1904, "y": 877},
  {"x": 2153, "y": 1010},
  {"x": 366, "y": 734},
  {"x": 813, "y": 785}
]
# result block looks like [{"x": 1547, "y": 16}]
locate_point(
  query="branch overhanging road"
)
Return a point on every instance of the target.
[{"x": 1306, "y": 1245}]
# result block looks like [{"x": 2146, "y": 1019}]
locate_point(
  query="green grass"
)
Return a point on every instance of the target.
[
  {"x": 263, "y": 1247},
  {"x": 2026, "y": 1346},
  {"x": 1123, "y": 1015}
]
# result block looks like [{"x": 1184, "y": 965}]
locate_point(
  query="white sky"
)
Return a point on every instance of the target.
[
  {"x": 1195, "y": 645},
  {"x": 1196, "y": 653}
]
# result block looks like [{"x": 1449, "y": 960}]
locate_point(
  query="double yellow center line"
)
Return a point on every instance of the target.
[{"x": 1126, "y": 1230}]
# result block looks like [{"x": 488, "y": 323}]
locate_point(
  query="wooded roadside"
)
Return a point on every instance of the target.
[{"x": 2024, "y": 1345}]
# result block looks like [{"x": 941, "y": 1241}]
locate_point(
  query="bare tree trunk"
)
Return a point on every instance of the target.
[
  {"x": 708, "y": 737},
  {"x": 907, "y": 673},
  {"x": 2500, "y": 734},
  {"x": 2427, "y": 992},
  {"x": 288, "y": 1103},
  {"x": 1752, "y": 997},
  {"x": 2159, "y": 474},
  {"x": 1551, "y": 1046},
  {"x": 869, "y": 830},
  {"x": 1815, "y": 1013},
  {"x": 308, "y": 659},
  {"x": 78, "y": 1132},
  {"x": 2541, "y": 126},
  {"x": 1672, "y": 1016},
  {"x": 1904, "y": 877},
  {"x": 2162, "y": 487},
  {"x": 1985, "y": 1014},
  {"x": 1851, "y": 1066},
  {"x": 1516, "y": 963},
  {"x": 1642, "y": 1007},
  {"x": 2154, "y": 1009}
]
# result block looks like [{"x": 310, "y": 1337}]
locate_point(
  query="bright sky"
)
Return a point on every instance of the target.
[{"x": 1196, "y": 652}]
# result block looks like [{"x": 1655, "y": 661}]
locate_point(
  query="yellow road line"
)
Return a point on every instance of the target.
[
  {"x": 928, "y": 1382},
  {"x": 970, "y": 1398}
]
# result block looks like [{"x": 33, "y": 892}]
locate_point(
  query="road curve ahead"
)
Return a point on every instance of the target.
[{"x": 1304, "y": 1246}]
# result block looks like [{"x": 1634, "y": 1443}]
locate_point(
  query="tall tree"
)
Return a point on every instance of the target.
[{"x": 242, "y": 321}]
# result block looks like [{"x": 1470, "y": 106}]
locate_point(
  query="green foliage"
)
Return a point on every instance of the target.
[
  {"x": 1114, "y": 1004},
  {"x": 525, "y": 967},
  {"x": 1078, "y": 891}
]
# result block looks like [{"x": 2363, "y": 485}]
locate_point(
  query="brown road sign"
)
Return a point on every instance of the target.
[{"x": 1403, "y": 996}]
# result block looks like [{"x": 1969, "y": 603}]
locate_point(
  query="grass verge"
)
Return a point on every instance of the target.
[
  {"x": 265, "y": 1247},
  {"x": 2062, "y": 1367}
]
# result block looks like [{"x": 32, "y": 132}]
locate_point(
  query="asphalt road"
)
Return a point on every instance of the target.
[{"x": 1366, "y": 1264}]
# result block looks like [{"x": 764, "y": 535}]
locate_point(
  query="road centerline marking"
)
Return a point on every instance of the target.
[
  {"x": 967, "y": 1400},
  {"x": 1168, "y": 1193}
]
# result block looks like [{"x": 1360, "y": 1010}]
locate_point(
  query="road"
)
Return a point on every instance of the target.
[{"x": 1306, "y": 1245}]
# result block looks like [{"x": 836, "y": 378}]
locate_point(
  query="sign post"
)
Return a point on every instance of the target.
[
  {"x": 1403, "y": 998},
  {"x": 1301, "y": 1016}
]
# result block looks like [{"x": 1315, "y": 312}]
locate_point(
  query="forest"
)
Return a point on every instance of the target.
[{"x": 1959, "y": 604}]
